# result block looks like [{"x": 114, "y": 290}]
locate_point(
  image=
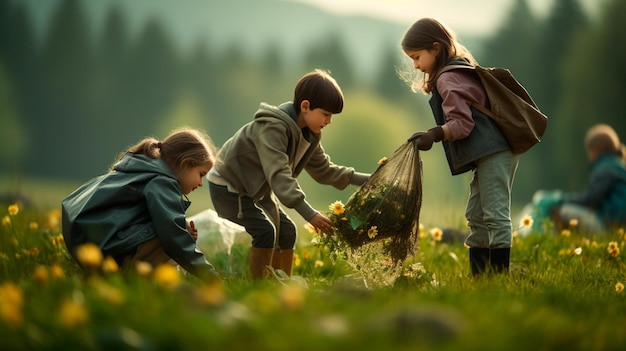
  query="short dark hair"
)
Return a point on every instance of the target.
[{"x": 321, "y": 90}]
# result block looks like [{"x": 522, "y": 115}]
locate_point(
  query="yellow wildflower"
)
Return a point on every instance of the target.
[
  {"x": 613, "y": 249},
  {"x": 54, "y": 218},
  {"x": 306, "y": 255},
  {"x": 56, "y": 271},
  {"x": 422, "y": 231},
  {"x": 436, "y": 234},
  {"x": 107, "y": 291},
  {"x": 296, "y": 260},
  {"x": 31, "y": 252},
  {"x": 210, "y": 294},
  {"x": 166, "y": 276},
  {"x": 319, "y": 264},
  {"x": 40, "y": 274},
  {"x": 143, "y": 268},
  {"x": 72, "y": 313},
  {"x": 33, "y": 225},
  {"x": 11, "y": 301},
  {"x": 619, "y": 287},
  {"x": 292, "y": 296},
  {"x": 566, "y": 233},
  {"x": 573, "y": 223},
  {"x": 6, "y": 221},
  {"x": 89, "y": 255},
  {"x": 109, "y": 265},
  {"x": 527, "y": 221},
  {"x": 372, "y": 232},
  {"x": 382, "y": 161},
  {"x": 565, "y": 252},
  {"x": 13, "y": 209},
  {"x": 58, "y": 241},
  {"x": 337, "y": 207}
]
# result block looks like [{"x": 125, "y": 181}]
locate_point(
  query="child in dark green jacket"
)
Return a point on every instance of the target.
[
  {"x": 602, "y": 205},
  {"x": 136, "y": 212}
]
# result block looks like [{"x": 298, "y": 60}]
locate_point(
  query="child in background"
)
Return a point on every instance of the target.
[
  {"x": 602, "y": 204},
  {"x": 471, "y": 140},
  {"x": 259, "y": 165},
  {"x": 136, "y": 211}
]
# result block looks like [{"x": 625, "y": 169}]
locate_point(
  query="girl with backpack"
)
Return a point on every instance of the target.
[{"x": 471, "y": 140}]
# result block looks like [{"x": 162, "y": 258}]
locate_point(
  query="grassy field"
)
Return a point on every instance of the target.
[{"x": 564, "y": 291}]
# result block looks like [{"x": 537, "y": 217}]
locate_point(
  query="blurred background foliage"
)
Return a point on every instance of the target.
[{"x": 81, "y": 80}]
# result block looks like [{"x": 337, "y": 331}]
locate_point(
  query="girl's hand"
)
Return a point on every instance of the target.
[
  {"x": 322, "y": 223},
  {"x": 191, "y": 228}
]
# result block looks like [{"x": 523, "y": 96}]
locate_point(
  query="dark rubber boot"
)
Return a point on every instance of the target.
[
  {"x": 479, "y": 259},
  {"x": 500, "y": 260}
]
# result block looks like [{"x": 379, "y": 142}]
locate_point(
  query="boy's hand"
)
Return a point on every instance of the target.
[
  {"x": 191, "y": 228},
  {"x": 322, "y": 223}
]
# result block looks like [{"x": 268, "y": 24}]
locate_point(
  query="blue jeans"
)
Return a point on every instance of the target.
[
  {"x": 489, "y": 205},
  {"x": 256, "y": 221}
]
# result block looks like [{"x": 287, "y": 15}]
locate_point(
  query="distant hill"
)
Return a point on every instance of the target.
[{"x": 251, "y": 24}]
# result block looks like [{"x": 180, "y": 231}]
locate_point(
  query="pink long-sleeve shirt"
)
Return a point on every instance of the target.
[{"x": 459, "y": 89}]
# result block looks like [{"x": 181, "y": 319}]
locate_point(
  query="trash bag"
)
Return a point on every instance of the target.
[{"x": 386, "y": 208}]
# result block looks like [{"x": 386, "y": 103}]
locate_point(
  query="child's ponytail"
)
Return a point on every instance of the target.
[{"x": 185, "y": 147}]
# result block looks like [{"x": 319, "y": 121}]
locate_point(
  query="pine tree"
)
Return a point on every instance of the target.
[
  {"x": 65, "y": 122},
  {"x": 593, "y": 90}
]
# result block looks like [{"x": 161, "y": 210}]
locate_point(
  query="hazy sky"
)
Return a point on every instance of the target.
[{"x": 451, "y": 12}]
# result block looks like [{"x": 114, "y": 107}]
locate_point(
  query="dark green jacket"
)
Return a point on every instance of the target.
[
  {"x": 606, "y": 190},
  {"x": 140, "y": 199}
]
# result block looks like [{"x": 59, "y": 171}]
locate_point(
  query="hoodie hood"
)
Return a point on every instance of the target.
[{"x": 285, "y": 112}]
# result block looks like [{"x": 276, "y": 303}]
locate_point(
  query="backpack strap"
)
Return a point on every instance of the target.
[
  {"x": 478, "y": 106},
  {"x": 452, "y": 67}
]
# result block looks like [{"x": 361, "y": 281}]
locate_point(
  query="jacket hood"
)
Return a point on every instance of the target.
[
  {"x": 285, "y": 112},
  {"x": 139, "y": 163}
]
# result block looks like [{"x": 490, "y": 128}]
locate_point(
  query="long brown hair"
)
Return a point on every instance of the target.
[
  {"x": 183, "y": 148},
  {"x": 421, "y": 36}
]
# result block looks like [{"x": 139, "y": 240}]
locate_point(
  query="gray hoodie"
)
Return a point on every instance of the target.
[{"x": 263, "y": 158}]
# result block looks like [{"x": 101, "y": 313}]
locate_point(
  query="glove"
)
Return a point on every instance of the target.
[{"x": 425, "y": 140}]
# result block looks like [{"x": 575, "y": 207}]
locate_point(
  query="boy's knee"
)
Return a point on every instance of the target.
[{"x": 287, "y": 238}]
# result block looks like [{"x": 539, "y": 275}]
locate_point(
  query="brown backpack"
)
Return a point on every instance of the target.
[{"x": 511, "y": 107}]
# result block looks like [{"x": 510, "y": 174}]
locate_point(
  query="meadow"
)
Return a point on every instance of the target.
[{"x": 564, "y": 291}]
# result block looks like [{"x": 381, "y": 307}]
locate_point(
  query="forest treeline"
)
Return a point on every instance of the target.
[{"x": 73, "y": 100}]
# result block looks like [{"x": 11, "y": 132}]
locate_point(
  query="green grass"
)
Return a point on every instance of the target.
[{"x": 552, "y": 299}]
